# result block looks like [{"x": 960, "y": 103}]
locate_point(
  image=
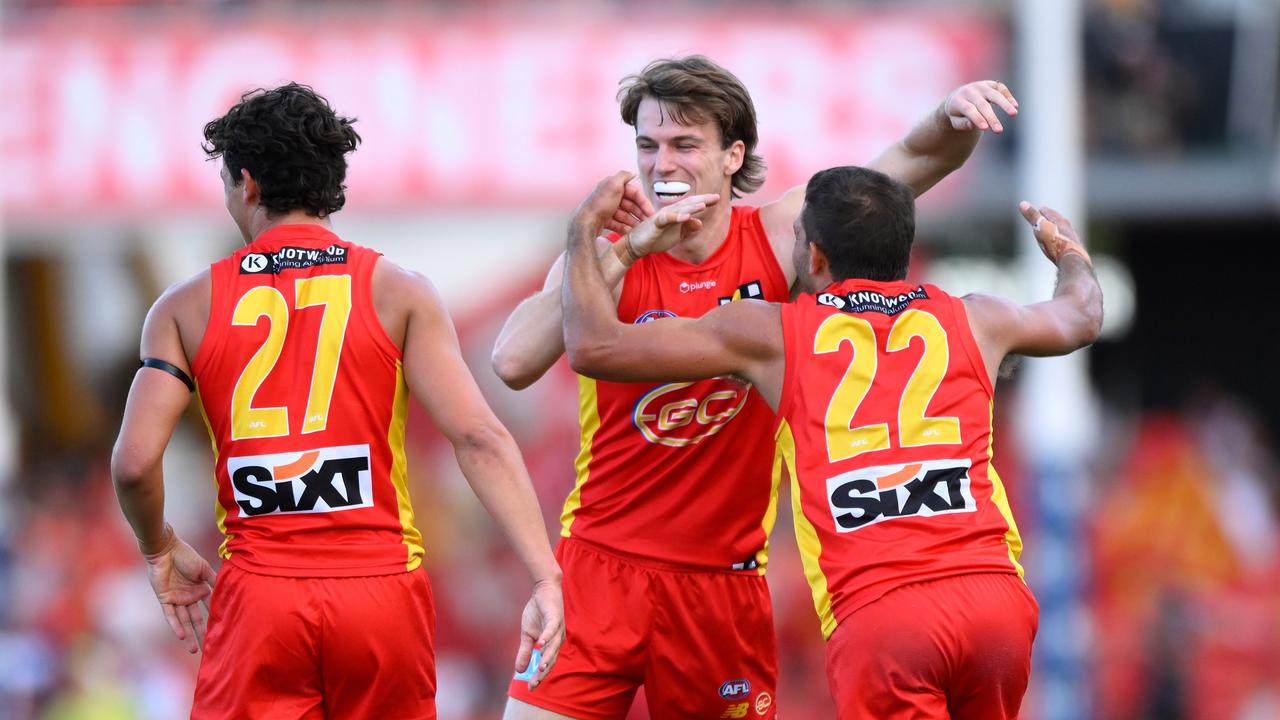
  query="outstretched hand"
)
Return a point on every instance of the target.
[
  {"x": 541, "y": 626},
  {"x": 182, "y": 581},
  {"x": 972, "y": 106},
  {"x": 1053, "y": 232},
  {"x": 665, "y": 229}
]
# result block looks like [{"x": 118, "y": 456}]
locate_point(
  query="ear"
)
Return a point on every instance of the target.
[
  {"x": 250, "y": 187},
  {"x": 818, "y": 266},
  {"x": 734, "y": 156}
]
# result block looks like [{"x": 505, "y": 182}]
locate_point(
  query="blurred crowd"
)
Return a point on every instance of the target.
[
  {"x": 1183, "y": 538},
  {"x": 1184, "y": 559}
]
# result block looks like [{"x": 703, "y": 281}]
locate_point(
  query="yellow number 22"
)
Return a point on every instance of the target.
[{"x": 914, "y": 428}]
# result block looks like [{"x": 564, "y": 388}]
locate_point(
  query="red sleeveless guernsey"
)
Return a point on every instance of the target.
[
  {"x": 885, "y": 427},
  {"x": 305, "y": 401},
  {"x": 679, "y": 473}
]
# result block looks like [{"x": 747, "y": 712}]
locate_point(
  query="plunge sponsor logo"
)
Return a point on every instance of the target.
[
  {"x": 872, "y": 495},
  {"x": 315, "y": 481}
]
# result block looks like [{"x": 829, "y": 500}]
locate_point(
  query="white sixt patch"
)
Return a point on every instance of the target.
[{"x": 670, "y": 189}]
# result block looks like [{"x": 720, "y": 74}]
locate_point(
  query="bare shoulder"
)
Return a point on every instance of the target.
[
  {"x": 396, "y": 285},
  {"x": 753, "y": 326},
  {"x": 185, "y": 302},
  {"x": 989, "y": 310},
  {"x": 177, "y": 320}
]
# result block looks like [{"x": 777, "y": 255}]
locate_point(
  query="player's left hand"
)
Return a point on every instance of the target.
[
  {"x": 1054, "y": 232},
  {"x": 541, "y": 626},
  {"x": 973, "y": 106}
]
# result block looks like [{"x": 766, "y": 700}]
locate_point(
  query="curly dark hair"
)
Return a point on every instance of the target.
[
  {"x": 292, "y": 143},
  {"x": 696, "y": 90}
]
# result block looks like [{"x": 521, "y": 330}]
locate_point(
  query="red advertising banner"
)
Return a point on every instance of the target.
[{"x": 103, "y": 118}]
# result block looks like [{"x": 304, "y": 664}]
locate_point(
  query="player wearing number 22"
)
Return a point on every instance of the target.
[
  {"x": 304, "y": 350},
  {"x": 884, "y": 396}
]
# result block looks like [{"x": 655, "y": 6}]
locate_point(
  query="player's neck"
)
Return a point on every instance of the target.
[
  {"x": 260, "y": 221},
  {"x": 696, "y": 248}
]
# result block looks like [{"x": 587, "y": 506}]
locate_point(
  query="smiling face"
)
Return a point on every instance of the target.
[{"x": 677, "y": 159}]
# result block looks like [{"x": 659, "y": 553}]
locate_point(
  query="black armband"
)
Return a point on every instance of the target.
[{"x": 170, "y": 368}]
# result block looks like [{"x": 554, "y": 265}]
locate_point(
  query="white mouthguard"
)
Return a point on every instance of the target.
[{"x": 670, "y": 188}]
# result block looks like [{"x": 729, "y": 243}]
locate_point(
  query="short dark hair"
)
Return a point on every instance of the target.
[
  {"x": 863, "y": 220},
  {"x": 696, "y": 90},
  {"x": 292, "y": 143}
]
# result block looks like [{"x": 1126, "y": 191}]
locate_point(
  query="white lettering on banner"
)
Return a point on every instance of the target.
[{"x": 476, "y": 111}]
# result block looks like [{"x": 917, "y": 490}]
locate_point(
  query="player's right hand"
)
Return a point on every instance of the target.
[
  {"x": 541, "y": 624},
  {"x": 669, "y": 225},
  {"x": 182, "y": 581},
  {"x": 1053, "y": 232},
  {"x": 605, "y": 202}
]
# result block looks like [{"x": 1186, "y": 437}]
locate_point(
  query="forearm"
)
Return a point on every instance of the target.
[
  {"x": 533, "y": 337},
  {"x": 932, "y": 150},
  {"x": 1077, "y": 284},
  {"x": 141, "y": 497},
  {"x": 493, "y": 467},
  {"x": 588, "y": 311}
]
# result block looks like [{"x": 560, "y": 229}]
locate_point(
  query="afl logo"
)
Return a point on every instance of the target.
[
  {"x": 254, "y": 263},
  {"x": 735, "y": 689},
  {"x": 683, "y": 414},
  {"x": 652, "y": 315}
]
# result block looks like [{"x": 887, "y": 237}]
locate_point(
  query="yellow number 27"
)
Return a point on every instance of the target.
[{"x": 331, "y": 291}]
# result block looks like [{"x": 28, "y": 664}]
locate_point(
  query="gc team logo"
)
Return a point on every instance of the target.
[
  {"x": 314, "y": 481},
  {"x": 686, "y": 413},
  {"x": 651, "y": 315},
  {"x": 764, "y": 701},
  {"x": 875, "y": 494}
]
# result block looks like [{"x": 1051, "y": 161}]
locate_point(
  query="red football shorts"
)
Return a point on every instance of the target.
[
  {"x": 284, "y": 648},
  {"x": 701, "y": 643},
  {"x": 959, "y": 648}
]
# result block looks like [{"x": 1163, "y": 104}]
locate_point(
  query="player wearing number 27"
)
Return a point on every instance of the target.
[
  {"x": 304, "y": 349},
  {"x": 884, "y": 394}
]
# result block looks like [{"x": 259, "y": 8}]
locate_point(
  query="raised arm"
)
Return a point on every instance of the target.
[
  {"x": 938, "y": 145},
  {"x": 1071, "y": 320},
  {"x": 532, "y": 339},
  {"x": 740, "y": 338},
  {"x": 941, "y": 142},
  {"x": 491, "y": 462},
  {"x": 180, "y": 578}
]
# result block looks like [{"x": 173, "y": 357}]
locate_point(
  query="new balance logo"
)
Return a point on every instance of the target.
[
  {"x": 314, "y": 481},
  {"x": 746, "y": 291},
  {"x": 876, "y": 494}
]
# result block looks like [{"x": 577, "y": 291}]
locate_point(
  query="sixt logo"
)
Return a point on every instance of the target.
[
  {"x": 746, "y": 291},
  {"x": 871, "y": 495},
  {"x": 735, "y": 689},
  {"x": 314, "y": 481},
  {"x": 652, "y": 315},
  {"x": 291, "y": 258},
  {"x": 686, "y": 413}
]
